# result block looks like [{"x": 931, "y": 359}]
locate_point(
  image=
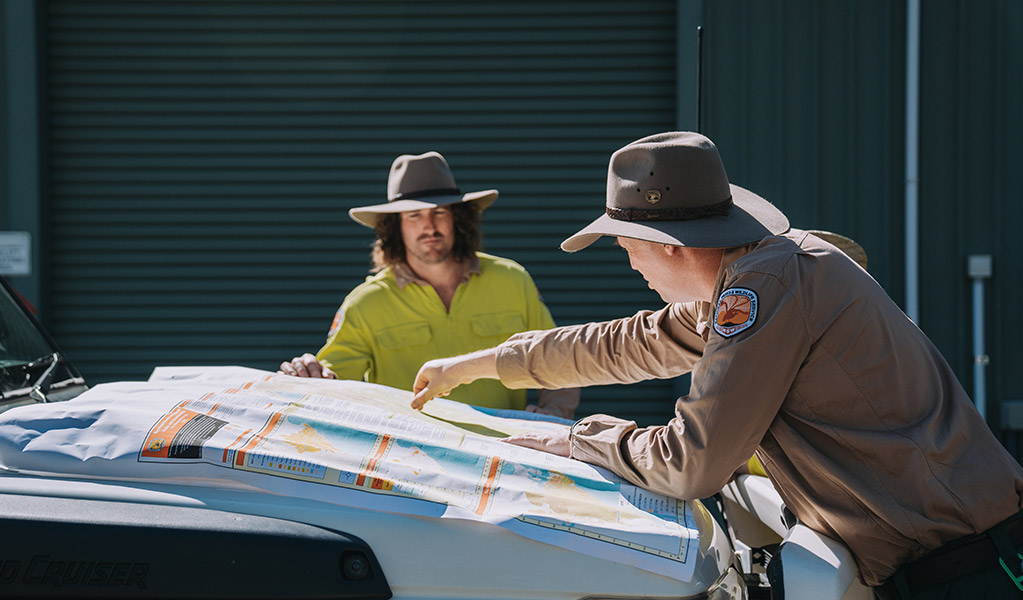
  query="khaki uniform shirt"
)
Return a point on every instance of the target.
[{"x": 804, "y": 360}]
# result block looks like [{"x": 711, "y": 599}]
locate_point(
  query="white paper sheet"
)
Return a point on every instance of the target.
[{"x": 348, "y": 443}]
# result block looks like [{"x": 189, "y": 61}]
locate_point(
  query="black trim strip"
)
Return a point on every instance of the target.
[
  {"x": 683, "y": 213},
  {"x": 427, "y": 193}
]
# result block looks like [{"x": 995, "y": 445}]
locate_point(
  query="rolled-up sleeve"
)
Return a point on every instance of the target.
[{"x": 348, "y": 351}]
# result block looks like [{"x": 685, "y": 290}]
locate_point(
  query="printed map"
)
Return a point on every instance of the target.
[{"x": 355, "y": 438}]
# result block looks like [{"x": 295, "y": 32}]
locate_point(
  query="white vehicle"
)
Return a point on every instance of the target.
[
  {"x": 800, "y": 563},
  {"x": 92, "y": 531}
]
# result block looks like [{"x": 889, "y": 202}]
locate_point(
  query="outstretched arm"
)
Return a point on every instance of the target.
[{"x": 440, "y": 376}]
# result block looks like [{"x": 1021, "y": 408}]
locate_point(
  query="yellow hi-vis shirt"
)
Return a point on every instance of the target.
[{"x": 388, "y": 327}]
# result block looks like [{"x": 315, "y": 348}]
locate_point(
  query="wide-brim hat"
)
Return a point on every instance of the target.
[
  {"x": 417, "y": 182},
  {"x": 671, "y": 188}
]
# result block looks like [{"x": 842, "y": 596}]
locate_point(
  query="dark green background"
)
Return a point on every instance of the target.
[{"x": 194, "y": 161}]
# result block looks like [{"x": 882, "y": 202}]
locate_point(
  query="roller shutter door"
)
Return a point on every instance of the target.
[{"x": 202, "y": 156}]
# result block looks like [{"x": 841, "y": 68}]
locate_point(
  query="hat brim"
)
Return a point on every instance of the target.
[
  {"x": 370, "y": 215},
  {"x": 750, "y": 220}
]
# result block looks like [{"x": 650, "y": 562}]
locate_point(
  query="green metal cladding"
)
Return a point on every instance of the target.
[{"x": 198, "y": 158}]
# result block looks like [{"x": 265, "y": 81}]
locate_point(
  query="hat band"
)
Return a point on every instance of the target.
[
  {"x": 684, "y": 213},
  {"x": 427, "y": 193}
]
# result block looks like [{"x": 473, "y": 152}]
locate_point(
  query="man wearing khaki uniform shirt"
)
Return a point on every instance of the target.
[{"x": 798, "y": 356}]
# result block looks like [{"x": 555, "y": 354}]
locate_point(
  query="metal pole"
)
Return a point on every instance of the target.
[
  {"x": 699, "y": 79},
  {"x": 912, "y": 157},
  {"x": 979, "y": 269}
]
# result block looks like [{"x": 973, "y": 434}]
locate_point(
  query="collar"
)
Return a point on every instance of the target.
[
  {"x": 404, "y": 275},
  {"x": 729, "y": 256},
  {"x": 705, "y": 310}
]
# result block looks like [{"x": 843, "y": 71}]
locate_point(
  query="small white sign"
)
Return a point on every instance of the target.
[{"x": 15, "y": 253}]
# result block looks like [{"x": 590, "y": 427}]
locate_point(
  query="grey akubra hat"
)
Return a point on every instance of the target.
[
  {"x": 671, "y": 188},
  {"x": 417, "y": 182}
]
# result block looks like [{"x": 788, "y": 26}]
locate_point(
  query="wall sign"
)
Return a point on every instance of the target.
[{"x": 15, "y": 253}]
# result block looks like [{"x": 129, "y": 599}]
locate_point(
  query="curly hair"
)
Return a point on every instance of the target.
[{"x": 389, "y": 248}]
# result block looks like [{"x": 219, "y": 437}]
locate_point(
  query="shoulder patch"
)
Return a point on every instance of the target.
[
  {"x": 339, "y": 316},
  {"x": 736, "y": 311}
]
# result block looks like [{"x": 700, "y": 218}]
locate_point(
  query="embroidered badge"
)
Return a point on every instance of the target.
[{"x": 736, "y": 311}]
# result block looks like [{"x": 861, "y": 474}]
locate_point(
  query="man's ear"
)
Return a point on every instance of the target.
[{"x": 670, "y": 250}]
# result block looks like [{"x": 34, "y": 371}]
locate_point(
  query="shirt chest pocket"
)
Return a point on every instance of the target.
[
  {"x": 404, "y": 336},
  {"x": 502, "y": 324}
]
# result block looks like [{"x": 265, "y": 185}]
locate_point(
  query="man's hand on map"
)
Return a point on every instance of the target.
[
  {"x": 440, "y": 376},
  {"x": 552, "y": 442},
  {"x": 306, "y": 366}
]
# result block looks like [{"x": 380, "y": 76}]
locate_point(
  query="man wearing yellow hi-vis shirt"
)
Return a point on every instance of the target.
[{"x": 432, "y": 294}]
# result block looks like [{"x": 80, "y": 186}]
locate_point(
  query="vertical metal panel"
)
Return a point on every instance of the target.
[
  {"x": 20, "y": 205},
  {"x": 689, "y": 19},
  {"x": 803, "y": 99},
  {"x": 1002, "y": 230},
  {"x": 5, "y": 202},
  {"x": 972, "y": 55},
  {"x": 204, "y": 155}
]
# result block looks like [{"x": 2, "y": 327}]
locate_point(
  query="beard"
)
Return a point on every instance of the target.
[{"x": 431, "y": 253}]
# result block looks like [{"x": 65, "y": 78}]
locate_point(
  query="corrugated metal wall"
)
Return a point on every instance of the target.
[
  {"x": 970, "y": 196},
  {"x": 5, "y": 205},
  {"x": 203, "y": 155},
  {"x": 806, "y": 100},
  {"x": 20, "y": 202}
]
